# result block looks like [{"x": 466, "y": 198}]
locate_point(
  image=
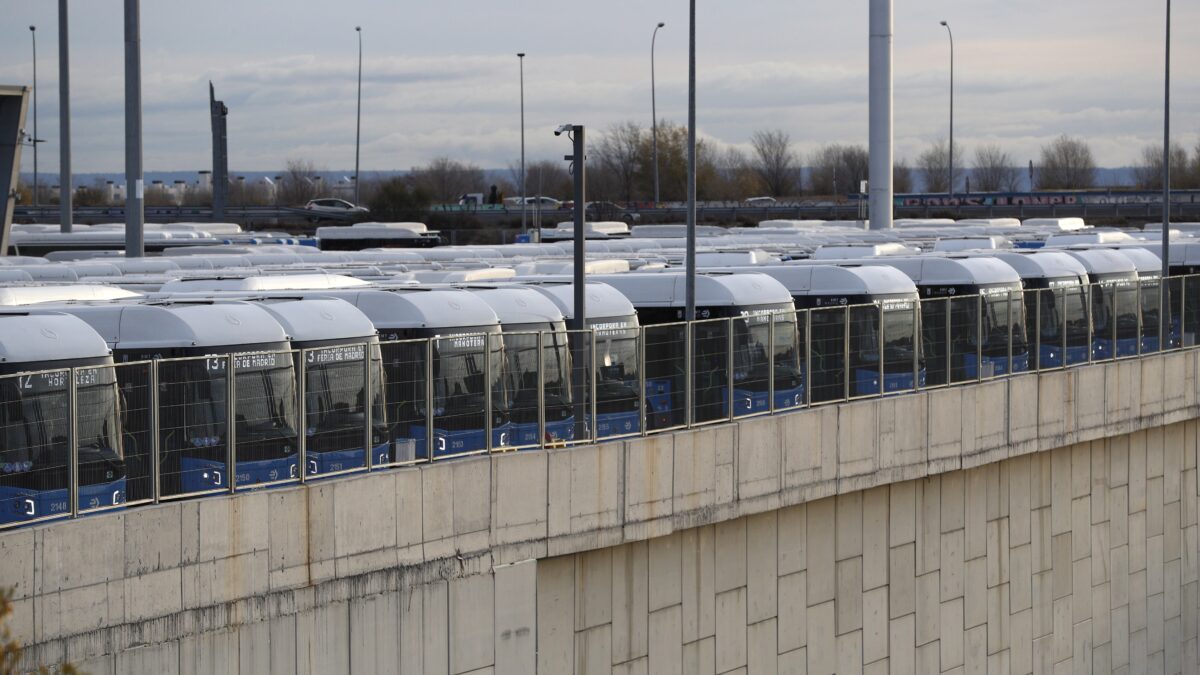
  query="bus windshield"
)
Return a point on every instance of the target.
[
  {"x": 616, "y": 349},
  {"x": 334, "y": 386},
  {"x": 753, "y": 343},
  {"x": 34, "y": 421},
  {"x": 458, "y": 373}
]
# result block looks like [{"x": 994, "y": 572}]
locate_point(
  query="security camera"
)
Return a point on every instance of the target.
[{"x": 562, "y": 129}]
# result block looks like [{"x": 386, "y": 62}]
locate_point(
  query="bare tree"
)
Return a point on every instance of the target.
[
  {"x": 902, "y": 179},
  {"x": 736, "y": 177},
  {"x": 618, "y": 154},
  {"x": 935, "y": 169},
  {"x": 838, "y": 169},
  {"x": 1066, "y": 164},
  {"x": 1147, "y": 175},
  {"x": 299, "y": 182},
  {"x": 994, "y": 170},
  {"x": 1195, "y": 167},
  {"x": 445, "y": 179},
  {"x": 775, "y": 162}
]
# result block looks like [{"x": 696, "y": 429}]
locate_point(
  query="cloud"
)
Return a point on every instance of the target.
[{"x": 440, "y": 79}]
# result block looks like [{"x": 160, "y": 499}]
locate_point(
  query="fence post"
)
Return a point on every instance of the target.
[
  {"x": 916, "y": 344},
  {"x": 152, "y": 404},
  {"x": 979, "y": 339},
  {"x": 771, "y": 362},
  {"x": 688, "y": 386},
  {"x": 231, "y": 422},
  {"x": 808, "y": 357},
  {"x": 302, "y": 410},
  {"x": 1062, "y": 302},
  {"x": 729, "y": 366},
  {"x": 1011, "y": 369},
  {"x": 72, "y": 446},
  {"x": 487, "y": 391},
  {"x": 430, "y": 444},
  {"x": 882, "y": 369},
  {"x": 541, "y": 388},
  {"x": 1138, "y": 302},
  {"x": 592, "y": 389},
  {"x": 367, "y": 405},
  {"x": 644, "y": 416},
  {"x": 1090, "y": 320},
  {"x": 846, "y": 355}
]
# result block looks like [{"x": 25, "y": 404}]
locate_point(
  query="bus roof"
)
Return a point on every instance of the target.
[
  {"x": 261, "y": 282},
  {"x": 667, "y": 289},
  {"x": 174, "y": 324},
  {"x": 41, "y": 339},
  {"x": 317, "y": 319},
  {"x": 417, "y": 307},
  {"x": 837, "y": 280},
  {"x": 603, "y": 301},
  {"x": 516, "y": 304},
  {"x": 41, "y": 293}
]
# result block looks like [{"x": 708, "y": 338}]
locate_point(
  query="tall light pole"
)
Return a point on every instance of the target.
[
  {"x": 653, "y": 112},
  {"x": 951, "y": 158},
  {"x": 358, "y": 118},
  {"x": 65, "y": 195},
  {"x": 1163, "y": 320},
  {"x": 880, "y": 114},
  {"x": 578, "y": 159},
  {"x": 690, "y": 255},
  {"x": 135, "y": 244},
  {"x": 521, "y": 61},
  {"x": 36, "y": 139}
]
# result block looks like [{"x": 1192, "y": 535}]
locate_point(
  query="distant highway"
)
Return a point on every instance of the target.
[{"x": 259, "y": 216}]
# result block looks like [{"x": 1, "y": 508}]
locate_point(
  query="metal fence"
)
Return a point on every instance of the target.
[{"x": 93, "y": 438}]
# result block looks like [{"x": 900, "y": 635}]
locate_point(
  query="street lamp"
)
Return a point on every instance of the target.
[
  {"x": 1165, "y": 301},
  {"x": 521, "y": 61},
  {"x": 36, "y": 140},
  {"x": 654, "y": 112},
  {"x": 951, "y": 158},
  {"x": 358, "y": 120}
]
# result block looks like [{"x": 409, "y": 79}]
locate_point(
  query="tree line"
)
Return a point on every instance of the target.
[{"x": 621, "y": 168}]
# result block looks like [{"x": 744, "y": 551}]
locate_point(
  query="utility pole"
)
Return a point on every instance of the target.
[
  {"x": 1164, "y": 287},
  {"x": 524, "y": 225},
  {"x": 358, "y": 120},
  {"x": 220, "y": 162},
  {"x": 135, "y": 244},
  {"x": 690, "y": 257},
  {"x": 578, "y": 159},
  {"x": 65, "y": 194},
  {"x": 950, "y": 162},
  {"x": 36, "y": 138},
  {"x": 880, "y": 104},
  {"x": 654, "y": 112}
]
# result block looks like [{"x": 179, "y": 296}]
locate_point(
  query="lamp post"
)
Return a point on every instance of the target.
[
  {"x": 65, "y": 211},
  {"x": 690, "y": 251},
  {"x": 358, "y": 119},
  {"x": 135, "y": 244},
  {"x": 654, "y": 112},
  {"x": 578, "y": 159},
  {"x": 1163, "y": 319},
  {"x": 521, "y": 62},
  {"x": 951, "y": 158},
  {"x": 36, "y": 140}
]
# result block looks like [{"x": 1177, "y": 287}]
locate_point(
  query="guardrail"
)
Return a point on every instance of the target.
[
  {"x": 95, "y": 438},
  {"x": 249, "y": 215}
]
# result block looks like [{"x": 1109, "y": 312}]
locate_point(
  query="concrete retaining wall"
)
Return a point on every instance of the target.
[
  {"x": 181, "y": 580},
  {"x": 1081, "y": 559}
]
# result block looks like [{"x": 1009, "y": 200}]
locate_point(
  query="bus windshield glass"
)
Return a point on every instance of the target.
[
  {"x": 458, "y": 373},
  {"x": 34, "y": 422},
  {"x": 752, "y": 343}
]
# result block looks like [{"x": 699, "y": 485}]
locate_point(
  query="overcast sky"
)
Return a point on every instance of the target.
[{"x": 440, "y": 78}]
